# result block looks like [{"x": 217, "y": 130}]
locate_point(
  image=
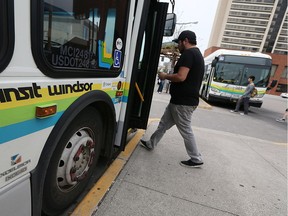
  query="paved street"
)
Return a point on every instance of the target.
[
  {"x": 260, "y": 123},
  {"x": 245, "y": 170}
]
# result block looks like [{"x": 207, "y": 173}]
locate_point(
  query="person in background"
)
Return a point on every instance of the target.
[
  {"x": 245, "y": 97},
  {"x": 160, "y": 85},
  {"x": 184, "y": 90},
  {"x": 284, "y": 117}
]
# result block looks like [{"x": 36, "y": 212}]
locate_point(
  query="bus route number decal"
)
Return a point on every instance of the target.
[{"x": 73, "y": 57}]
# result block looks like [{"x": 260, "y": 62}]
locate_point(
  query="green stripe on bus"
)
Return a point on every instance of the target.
[{"x": 24, "y": 113}]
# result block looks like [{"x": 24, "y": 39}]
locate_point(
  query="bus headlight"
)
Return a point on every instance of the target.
[{"x": 259, "y": 95}]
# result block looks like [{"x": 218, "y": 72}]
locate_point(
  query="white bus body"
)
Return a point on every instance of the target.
[{"x": 226, "y": 75}]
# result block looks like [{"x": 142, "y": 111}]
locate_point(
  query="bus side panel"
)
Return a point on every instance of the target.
[
  {"x": 17, "y": 193},
  {"x": 21, "y": 131}
]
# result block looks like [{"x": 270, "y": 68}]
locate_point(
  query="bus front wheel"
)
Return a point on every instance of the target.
[{"x": 73, "y": 162}]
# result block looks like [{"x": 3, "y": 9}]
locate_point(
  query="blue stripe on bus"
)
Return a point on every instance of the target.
[
  {"x": 125, "y": 99},
  {"x": 21, "y": 129},
  {"x": 120, "y": 99}
]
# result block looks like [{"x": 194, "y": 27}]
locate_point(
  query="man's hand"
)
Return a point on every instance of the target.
[
  {"x": 177, "y": 77},
  {"x": 162, "y": 76}
]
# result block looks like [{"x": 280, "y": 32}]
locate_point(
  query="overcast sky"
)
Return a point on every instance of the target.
[{"x": 202, "y": 11}]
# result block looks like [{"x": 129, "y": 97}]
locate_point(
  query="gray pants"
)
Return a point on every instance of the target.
[
  {"x": 245, "y": 101},
  {"x": 180, "y": 116}
]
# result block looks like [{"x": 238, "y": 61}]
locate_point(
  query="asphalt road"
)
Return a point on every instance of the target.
[{"x": 260, "y": 123}]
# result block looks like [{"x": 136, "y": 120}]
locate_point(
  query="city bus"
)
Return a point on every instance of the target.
[
  {"x": 75, "y": 76},
  {"x": 226, "y": 75}
]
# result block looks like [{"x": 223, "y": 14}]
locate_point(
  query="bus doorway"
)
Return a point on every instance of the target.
[{"x": 145, "y": 65}]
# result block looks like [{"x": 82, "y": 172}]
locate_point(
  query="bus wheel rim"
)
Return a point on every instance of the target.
[{"x": 76, "y": 159}]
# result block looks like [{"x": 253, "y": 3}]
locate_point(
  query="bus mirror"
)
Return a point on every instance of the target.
[
  {"x": 170, "y": 25},
  {"x": 273, "y": 84},
  {"x": 214, "y": 62}
]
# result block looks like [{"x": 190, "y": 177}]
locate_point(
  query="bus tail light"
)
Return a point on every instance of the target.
[{"x": 46, "y": 110}]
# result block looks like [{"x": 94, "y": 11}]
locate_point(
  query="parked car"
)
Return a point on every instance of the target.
[{"x": 284, "y": 95}]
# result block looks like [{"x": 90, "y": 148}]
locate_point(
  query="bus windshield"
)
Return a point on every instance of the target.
[{"x": 237, "y": 74}]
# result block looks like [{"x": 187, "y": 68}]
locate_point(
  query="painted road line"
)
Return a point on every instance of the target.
[
  {"x": 281, "y": 144},
  {"x": 91, "y": 201}
]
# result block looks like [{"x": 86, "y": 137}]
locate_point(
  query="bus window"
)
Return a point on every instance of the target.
[
  {"x": 237, "y": 74},
  {"x": 83, "y": 38},
  {"x": 228, "y": 73},
  {"x": 261, "y": 74},
  {"x": 6, "y": 32}
]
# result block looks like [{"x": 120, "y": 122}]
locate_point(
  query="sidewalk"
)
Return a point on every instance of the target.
[{"x": 240, "y": 176}]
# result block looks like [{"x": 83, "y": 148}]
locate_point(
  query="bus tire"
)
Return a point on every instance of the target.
[
  {"x": 203, "y": 93},
  {"x": 73, "y": 162}
]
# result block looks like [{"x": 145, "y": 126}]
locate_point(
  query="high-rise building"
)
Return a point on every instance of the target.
[{"x": 257, "y": 26}]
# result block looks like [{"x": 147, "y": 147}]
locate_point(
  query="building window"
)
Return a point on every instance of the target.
[
  {"x": 273, "y": 70},
  {"x": 285, "y": 73},
  {"x": 281, "y": 88}
]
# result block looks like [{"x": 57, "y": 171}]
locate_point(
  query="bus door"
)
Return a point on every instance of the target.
[
  {"x": 209, "y": 79},
  {"x": 145, "y": 65}
]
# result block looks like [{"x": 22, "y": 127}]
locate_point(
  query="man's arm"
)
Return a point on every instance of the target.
[
  {"x": 248, "y": 90},
  {"x": 177, "y": 77}
]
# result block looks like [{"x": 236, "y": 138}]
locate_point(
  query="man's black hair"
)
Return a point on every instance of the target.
[{"x": 252, "y": 77}]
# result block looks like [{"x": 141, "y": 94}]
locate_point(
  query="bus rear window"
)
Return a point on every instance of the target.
[
  {"x": 85, "y": 37},
  {"x": 6, "y": 32}
]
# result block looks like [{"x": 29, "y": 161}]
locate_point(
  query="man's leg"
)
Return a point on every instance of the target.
[
  {"x": 165, "y": 123},
  {"x": 246, "y": 105},
  {"x": 238, "y": 104},
  {"x": 183, "y": 117}
]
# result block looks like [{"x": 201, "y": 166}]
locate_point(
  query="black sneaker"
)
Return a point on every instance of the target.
[
  {"x": 144, "y": 145},
  {"x": 190, "y": 163}
]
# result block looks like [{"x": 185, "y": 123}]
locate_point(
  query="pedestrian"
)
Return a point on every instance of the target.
[
  {"x": 184, "y": 90},
  {"x": 161, "y": 85},
  {"x": 284, "y": 117},
  {"x": 244, "y": 99}
]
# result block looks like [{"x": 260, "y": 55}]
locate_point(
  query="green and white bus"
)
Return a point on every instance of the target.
[
  {"x": 75, "y": 75},
  {"x": 226, "y": 75}
]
